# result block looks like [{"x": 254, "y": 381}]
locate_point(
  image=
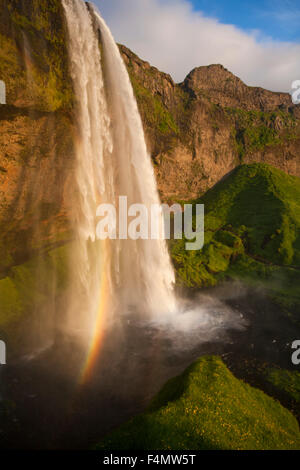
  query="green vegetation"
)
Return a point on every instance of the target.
[
  {"x": 254, "y": 130},
  {"x": 158, "y": 118},
  {"x": 208, "y": 408},
  {"x": 252, "y": 221},
  {"x": 28, "y": 287},
  {"x": 155, "y": 112},
  {"x": 285, "y": 380},
  {"x": 33, "y": 57},
  {"x": 162, "y": 126},
  {"x": 281, "y": 283}
]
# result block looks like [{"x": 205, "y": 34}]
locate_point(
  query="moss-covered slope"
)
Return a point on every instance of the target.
[
  {"x": 252, "y": 232},
  {"x": 208, "y": 408}
]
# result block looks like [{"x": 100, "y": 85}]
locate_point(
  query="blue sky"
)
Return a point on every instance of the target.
[
  {"x": 259, "y": 41},
  {"x": 279, "y": 19}
]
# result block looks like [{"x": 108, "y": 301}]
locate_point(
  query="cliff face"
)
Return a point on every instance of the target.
[
  {"x": 197, "y": 132},
  {"x": 33, "y": 54},
  {"x": 201, "y": 129},
  {"x": 36, "y": 130}
]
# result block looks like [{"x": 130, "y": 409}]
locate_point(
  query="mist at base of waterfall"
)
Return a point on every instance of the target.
[{"x": 204, "y": 319}]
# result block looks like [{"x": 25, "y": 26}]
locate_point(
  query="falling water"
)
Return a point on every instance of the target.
[
  {"x": 143, "y": 266},
  {"x": 112, "y": 161}
]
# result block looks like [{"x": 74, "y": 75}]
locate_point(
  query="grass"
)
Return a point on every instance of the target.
[
  {"x": 252, "y": 222},
  {"x": 208, "y": 408},
  {"x": 286, "y": 381}
]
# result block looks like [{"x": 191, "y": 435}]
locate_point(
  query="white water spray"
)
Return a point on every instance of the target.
[{"x": 112, "y": 161}]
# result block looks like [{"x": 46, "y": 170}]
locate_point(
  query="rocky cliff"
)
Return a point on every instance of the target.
[
  {"x": 201, "y": 129},
  {"x": 197, "y": 132},
  {"x": 36, "y": 130}
]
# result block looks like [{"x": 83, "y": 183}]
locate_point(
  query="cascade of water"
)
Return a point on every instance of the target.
[
  {"x": 112, "y": 161},
  {"x": 92, "y": 145},
  {"x": 146, "y": 274}
]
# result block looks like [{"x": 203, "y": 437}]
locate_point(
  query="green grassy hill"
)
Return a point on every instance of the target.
[
  {"x": 208, "y": 408},
  {"x": 252, "y": 221}
]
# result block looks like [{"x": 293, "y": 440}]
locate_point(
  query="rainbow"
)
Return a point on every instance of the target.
[{"x": 98, "y": 329}]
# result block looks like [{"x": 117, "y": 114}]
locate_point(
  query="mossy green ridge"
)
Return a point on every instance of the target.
[
  {"x": 208, "y": 408},
  {"x": 252, "y": 221},
  {"x": 33, "y": 54}
]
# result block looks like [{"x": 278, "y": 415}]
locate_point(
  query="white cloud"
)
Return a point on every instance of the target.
[{"x": 174, "y": 38}]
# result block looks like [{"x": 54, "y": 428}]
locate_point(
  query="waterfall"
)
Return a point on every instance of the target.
[{"x": 112, "y": 161}]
